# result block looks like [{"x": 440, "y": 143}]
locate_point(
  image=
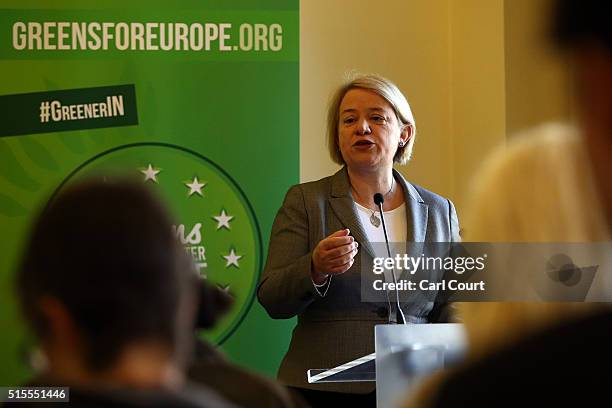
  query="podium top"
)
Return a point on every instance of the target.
[
  {"x": 448, "y": 338},
  {"x": 406, "y": 353}
]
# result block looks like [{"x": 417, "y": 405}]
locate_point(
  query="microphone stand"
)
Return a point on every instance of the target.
[{"x": 379, "y": 200}]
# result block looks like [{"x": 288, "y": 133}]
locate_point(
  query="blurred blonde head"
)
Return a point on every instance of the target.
[{"x": 522, "y": 194}]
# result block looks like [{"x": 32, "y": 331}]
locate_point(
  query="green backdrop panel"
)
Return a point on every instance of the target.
[{"x": 217, "y": 135}]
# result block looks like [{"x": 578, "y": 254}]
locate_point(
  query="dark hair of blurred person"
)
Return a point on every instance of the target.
[
  {"x": 112, "y": 297},
  {"x": 211, "y": 368},
  {"x": 583, "y": 30}
]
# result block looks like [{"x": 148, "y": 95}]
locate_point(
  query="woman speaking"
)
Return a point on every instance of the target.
[{"x": 312, "y": 270}]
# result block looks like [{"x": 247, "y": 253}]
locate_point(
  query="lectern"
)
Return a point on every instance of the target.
[{"x": 404, "y": 354}]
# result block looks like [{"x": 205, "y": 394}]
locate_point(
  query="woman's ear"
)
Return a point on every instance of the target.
[{"x": 406, "y": 135}]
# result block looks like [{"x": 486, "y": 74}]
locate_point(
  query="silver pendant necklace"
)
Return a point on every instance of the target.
[{"x": 374, "y": 219}]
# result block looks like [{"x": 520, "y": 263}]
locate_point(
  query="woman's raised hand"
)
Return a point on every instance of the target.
[{"x": 333, "y": 255}]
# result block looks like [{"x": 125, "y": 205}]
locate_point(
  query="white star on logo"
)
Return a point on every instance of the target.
[
  {"x": 225, "y": 288},
  {"x": 223, "y": 220},
  {"x": 150, "y": 173},
  {"x": 232, "y": 259},
  {"x": 195, "y": 187}
]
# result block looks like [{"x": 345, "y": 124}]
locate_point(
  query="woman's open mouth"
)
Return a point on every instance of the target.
[{"x": 363, "y": 144}]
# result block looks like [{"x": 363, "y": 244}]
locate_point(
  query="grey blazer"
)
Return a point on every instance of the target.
[{"x": 338, "y": 327}]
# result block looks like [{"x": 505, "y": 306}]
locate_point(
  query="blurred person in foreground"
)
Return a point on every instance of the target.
[
  {"x": 211, "y": 368},
  {"x": 313, "y": 271},
  {"x": 555, "y": 184},
  {"x": 111, "y": 297}
]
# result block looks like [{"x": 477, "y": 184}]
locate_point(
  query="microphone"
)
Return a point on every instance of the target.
[{"x": 379, "y": 200}]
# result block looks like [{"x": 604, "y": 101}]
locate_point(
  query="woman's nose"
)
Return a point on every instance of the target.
[{"x": 363, "y": 127}]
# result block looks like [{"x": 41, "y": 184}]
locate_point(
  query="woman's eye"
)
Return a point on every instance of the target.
[
  {"x": 378, "y": 118},
  {"x": 348, "y": 121}
]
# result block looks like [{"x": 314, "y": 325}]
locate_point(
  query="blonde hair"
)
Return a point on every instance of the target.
[
  {"x": 388, "y": 91},
  {"x": 534, "y": 189}
]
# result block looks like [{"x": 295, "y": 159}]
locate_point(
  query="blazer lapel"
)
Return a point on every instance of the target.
[
  {"x": 416, "y": 210},
  {"x": 341, "y": 202}
]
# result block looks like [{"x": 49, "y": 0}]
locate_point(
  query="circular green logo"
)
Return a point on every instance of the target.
[{"x": 215, "y": 221}]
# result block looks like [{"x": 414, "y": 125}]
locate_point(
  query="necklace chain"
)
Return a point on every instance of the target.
[
  {"x": 390, "y": 188},
  {"x": 374, "y": 220}
]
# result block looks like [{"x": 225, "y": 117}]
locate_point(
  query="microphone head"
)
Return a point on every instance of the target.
[{"x": 378, "y": 199}]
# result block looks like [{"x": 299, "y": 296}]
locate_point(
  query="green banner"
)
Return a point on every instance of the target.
[{"x": 199, "y": 99}]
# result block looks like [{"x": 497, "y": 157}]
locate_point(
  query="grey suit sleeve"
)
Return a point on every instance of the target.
[
  {"x": 286, "y": 288},
  {"x": 443, "y": 311}
]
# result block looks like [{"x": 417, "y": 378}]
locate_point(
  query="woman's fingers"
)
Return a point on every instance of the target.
[
  {"x": 341, "y": 260},
  {"x": 340, "y": 233},
  {"x": 342, "y": 268},
  {"x": 334, "y": 254},
  {"x": 342, "y": 250},
  {"x": 334, "y": 242}
]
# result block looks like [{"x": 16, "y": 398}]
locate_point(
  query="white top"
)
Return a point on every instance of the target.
[
  {"x": 395, "y": 221},
  {"x": 397, "y": 230}
]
